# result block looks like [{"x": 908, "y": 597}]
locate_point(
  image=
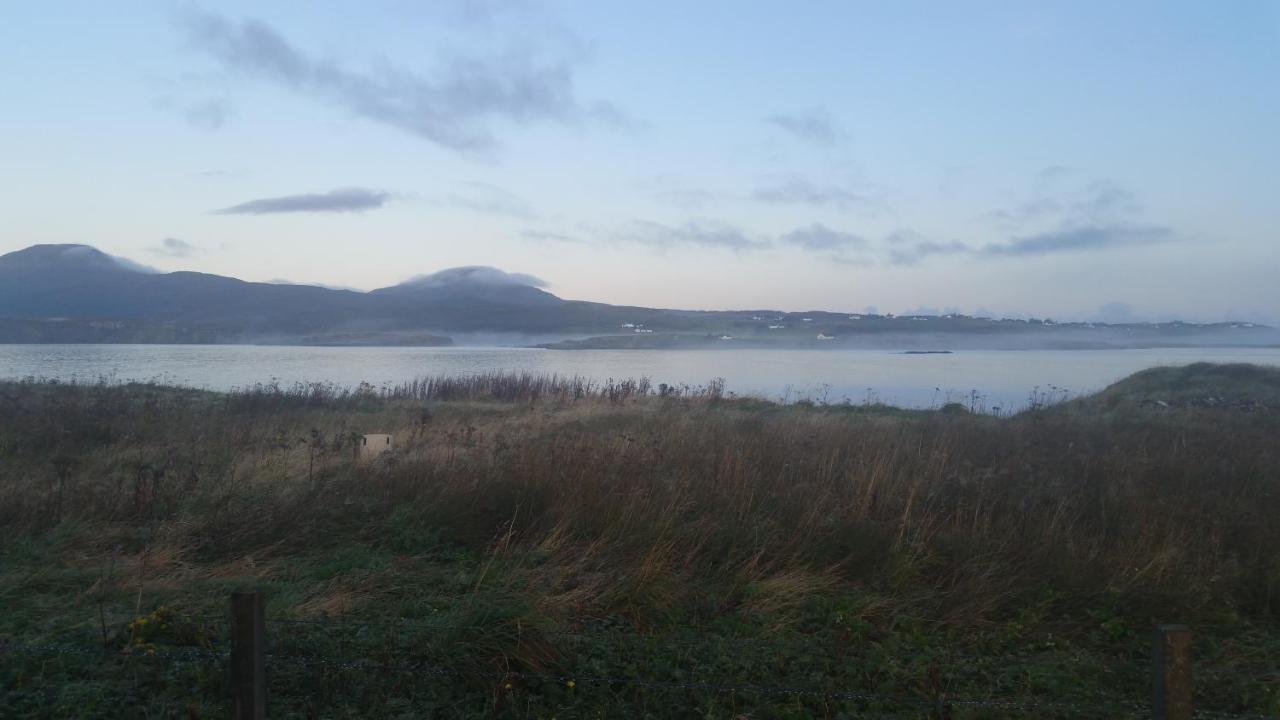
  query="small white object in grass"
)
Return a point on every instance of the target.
[{"x": 371, "y": 446}]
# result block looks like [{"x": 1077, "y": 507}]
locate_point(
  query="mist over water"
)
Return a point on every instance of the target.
[{"x": 988, "y": 379}]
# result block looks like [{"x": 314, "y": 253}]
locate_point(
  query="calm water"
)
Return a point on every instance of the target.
[{"x": 1003, "y": 379}]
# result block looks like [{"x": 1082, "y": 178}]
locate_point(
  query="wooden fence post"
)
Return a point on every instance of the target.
[
  {"x": 248, "y": 655},
  {"x": 1171, "y": 673}
]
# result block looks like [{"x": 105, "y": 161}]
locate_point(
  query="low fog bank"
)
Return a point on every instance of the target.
[{"x": 1109, "y": 338}]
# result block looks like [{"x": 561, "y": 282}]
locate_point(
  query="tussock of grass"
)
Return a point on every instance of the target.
[{"x": 534, "y": 506}]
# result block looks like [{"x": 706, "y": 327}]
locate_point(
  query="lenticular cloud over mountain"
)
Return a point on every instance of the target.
[{"x": 475, "y": 275}]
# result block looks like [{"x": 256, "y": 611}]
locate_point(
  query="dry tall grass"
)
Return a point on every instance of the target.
[{"x": 611, "y": 499}]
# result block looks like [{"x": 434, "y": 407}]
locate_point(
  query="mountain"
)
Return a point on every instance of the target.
[
  {"x": 76, "y": 293},
  {"x": 79, "y": 282},
  {"x": 78, "y": 285}
]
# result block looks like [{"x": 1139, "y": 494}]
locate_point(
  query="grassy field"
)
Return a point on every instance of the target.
[{"x": 541, "y": 547}]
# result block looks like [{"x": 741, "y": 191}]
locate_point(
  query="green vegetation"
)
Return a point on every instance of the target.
[
  {"x": 1200, "y": 385},
  {"x": 546, "y": 547}
]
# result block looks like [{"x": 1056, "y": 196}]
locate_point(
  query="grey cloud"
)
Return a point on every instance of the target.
[
  {"x": 908, "y": 247},
  {"x": 644, "y": 232},
  {"x": 803, "y": 192},
  {"x": 1026, "y": 211},
  {"x": 93, "y": 255},
  {"x": 210, "y": 114},
  {"x": 813, "y": 126},
  {"x": 1053, "y": 173},
  {"x": 175, "y": 248},
  {"x": 905, "y": 247},
  {"x": 547, "y": 236},
  {"x": 612, "y": 115},
  {"x": 204, "y": 113},
  {"x": 343, "y": 200},
  {"x": 915, "y": 250},
  {"x": 903, "y": 236},
  {"x": 686, "y": 199},
  {"x": 135, "y": 266},
  {"x": 1102, "y": 201},
  {"x": 1075, "y": 239},
  {"x": 452, "y": 107},
  {"x": 490, "y": 200},
  {"x": 820, "y": 238},
  {"x": 1097, "y": 202}
]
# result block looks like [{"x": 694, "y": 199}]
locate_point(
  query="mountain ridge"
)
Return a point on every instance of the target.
[{"x": 77, "y": 293}]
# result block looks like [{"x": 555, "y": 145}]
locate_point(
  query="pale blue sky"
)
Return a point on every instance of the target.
[{"x": 1037, "y": 158}]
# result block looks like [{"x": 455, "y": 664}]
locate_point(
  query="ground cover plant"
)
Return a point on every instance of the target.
[{"x": 539, "y": 547}]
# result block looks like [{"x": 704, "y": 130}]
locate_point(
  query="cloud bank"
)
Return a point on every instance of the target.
[
  {"x": 820, "y": 238},
  {"x": 907, "y": 247},
  {"x": 475, "y": 275},
  {"x": 346, "y": 200},
  {"x": 804, "y": 192},
  {"x": 208, "y": 114},
  {"x": 1098, "y": 237},
  {"x": 487, "y": 199},
  {"x": 175, "y": 248},
  {"x": 814, "y": 126},
  {"x": 451, "y": 106},
  {"x": 704, "y": 234}
]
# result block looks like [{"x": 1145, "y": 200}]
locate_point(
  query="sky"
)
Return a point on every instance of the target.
[{"x": 1072, "y": 160}]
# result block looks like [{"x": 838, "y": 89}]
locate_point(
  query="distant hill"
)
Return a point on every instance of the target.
[
  {"x": 76, "y": 293},
  {"x": 1198, "y": 386}
]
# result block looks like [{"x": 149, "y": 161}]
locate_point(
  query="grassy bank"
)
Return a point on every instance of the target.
[{"x": 538, "y": 547}]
